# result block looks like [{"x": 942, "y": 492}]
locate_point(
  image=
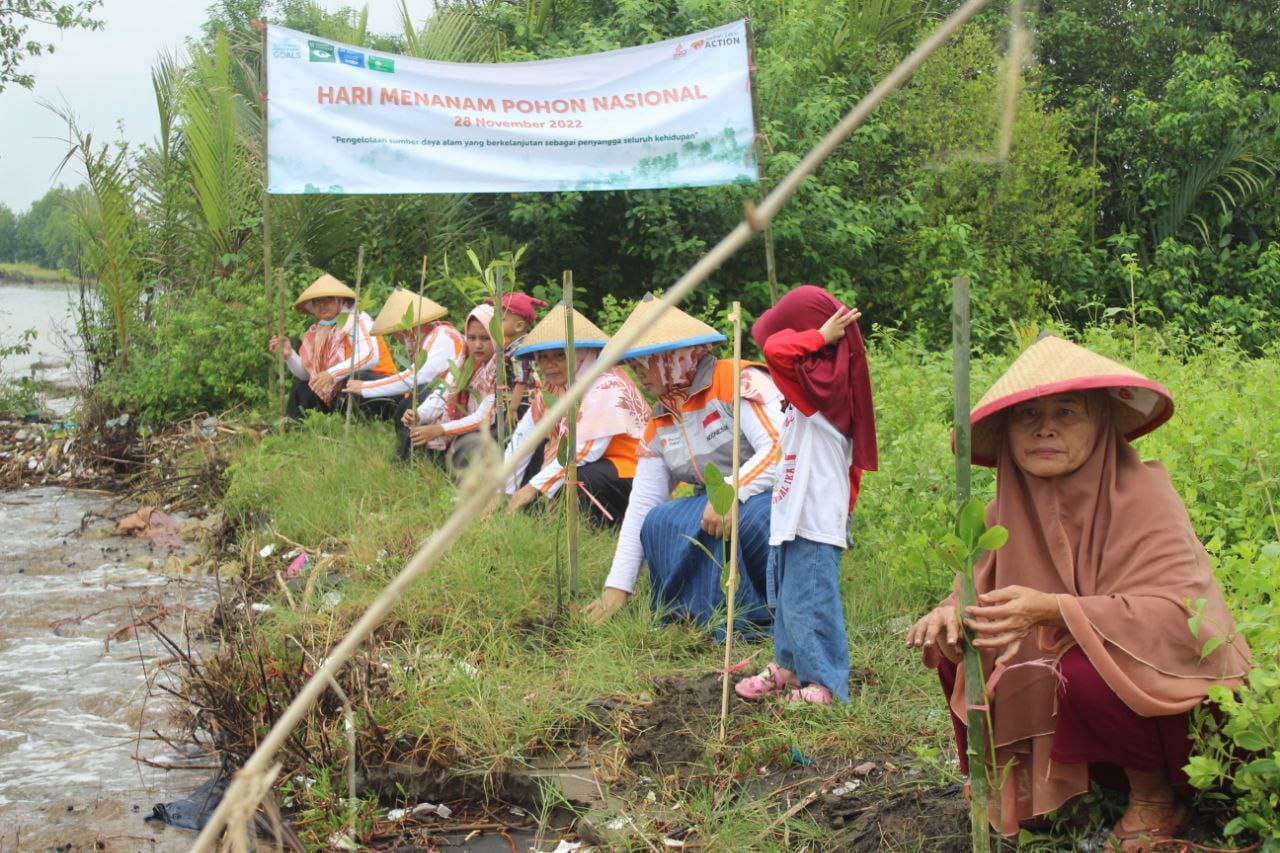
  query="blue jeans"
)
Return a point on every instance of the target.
[
  {"x": 803, "y": 584},
  {"x": 685, "y": 581}
]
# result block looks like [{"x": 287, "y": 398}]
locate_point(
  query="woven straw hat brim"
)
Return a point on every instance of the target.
[
  {"x": 1056, "y": 366},
  {"x": 550, "y": 333},
  {"x": 325, "y": 285},
  {"x": 673, "y": 330},
  {"x": 398, "y": 304}
]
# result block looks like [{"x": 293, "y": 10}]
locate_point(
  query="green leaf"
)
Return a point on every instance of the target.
[
  {"x": 719, "y": 493},
  {"x": 562, "y": 452},
  {"x": 495, "y": 330},
  {"x": 1261, "y": 766},
  {"x": 1209, "y": 645},
  {"x": 1271, "y": 550},
  {"x": 406, "y": 322},
  {"x": 970, "y": 522},
  {"x": 1193, "y": 623},
  {"x": 994, "y": 538},
  {"x": 1251, "y": 739}
]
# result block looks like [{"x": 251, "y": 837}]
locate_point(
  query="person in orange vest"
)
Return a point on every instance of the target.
[{"x": 329, "y": 355}]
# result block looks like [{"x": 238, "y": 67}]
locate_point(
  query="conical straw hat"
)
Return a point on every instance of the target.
[
  {"x": 673, "y": 330},
  {"x": 550, "y": 333},
  {"x": 325, "y": 285},
  {"x": 399, "y": 304},
  {"x": 1054, "y": 366}
]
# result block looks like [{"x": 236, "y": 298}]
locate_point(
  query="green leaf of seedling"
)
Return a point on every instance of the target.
[
  {"x": 1193, "y": 623},
  {"x": 406, "y": 322},
  {"x": 495, "y": 330},
  {"x": 1261, "y": 766},
  {"x": 970, "y": 522},
  {"x": 719, "y": 493},
  {"x": 1209, "y": 645},
  {"x": 341, "y": 320},
  {"x": 420, "y": 360},
  {"x": 562, "y": 453},
  {"x": 551, "y": 399},
  {"x": 462, "y": 378},
  {"x": 994, "y": 538}
]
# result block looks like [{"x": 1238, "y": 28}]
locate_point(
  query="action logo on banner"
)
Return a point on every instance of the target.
[{"x": 343, "y": 119}]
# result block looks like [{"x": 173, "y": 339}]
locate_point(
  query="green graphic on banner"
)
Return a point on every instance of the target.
[
  {"x": 381, "y": 63},
  {"x": 320, "y": 52}
]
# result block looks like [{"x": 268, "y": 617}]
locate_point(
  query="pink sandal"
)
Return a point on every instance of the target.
[
  {"x": 768, "y": 683},
  {"x": 814, "y": 694}
]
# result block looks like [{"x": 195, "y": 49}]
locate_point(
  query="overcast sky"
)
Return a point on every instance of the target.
[{"x": 105, "y": 78}]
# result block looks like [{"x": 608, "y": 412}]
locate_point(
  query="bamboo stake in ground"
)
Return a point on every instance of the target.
[
  {"x": 571, "y": 459},
  {"x": 413, "y": 333},
  {"x": 499, "y": 396},
  {"x": 731, "y": 590},
  {"x": 276, "y": 322},
  {"x": 974, "y": 681},
  {"x": 254, "y": 779},
  {"x": 282, "y": 397},
  {"x": 355, "y": 335}
]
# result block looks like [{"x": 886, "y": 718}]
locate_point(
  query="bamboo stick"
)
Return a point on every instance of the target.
[
  {"x": 499, "y": 398},
  {"x": 253, "y": 779},
  {"x": 731, "y": 591},
  {"x": 571, "y": 461},
  {"x": 276, "y": 299},
  {"x": 355, "y": 334},
  {"x": 413, "y": 359},
  {"x": 974, "y": 681},
  {"x": 770, "y": 260}
]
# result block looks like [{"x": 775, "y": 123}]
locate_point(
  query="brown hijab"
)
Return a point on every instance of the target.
[{"x": 1113, "y": 540}]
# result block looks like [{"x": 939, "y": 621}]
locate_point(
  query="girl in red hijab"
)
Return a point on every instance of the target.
[{"x": 816, "y": 356}]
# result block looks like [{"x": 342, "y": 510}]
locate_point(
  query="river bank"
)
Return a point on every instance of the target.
[{"x": 16, "y": 273}]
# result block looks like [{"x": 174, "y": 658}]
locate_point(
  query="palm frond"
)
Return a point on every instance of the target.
[{"x": 1235, "y": 172}]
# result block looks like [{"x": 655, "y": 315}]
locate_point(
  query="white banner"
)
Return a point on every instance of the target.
[{"x": 343, "y": 119}]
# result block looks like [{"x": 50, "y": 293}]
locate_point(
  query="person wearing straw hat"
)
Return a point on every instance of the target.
[
  {"x": 611, "y": 419},
  {"x": 328, "y": 355},
  {"x": 1084, "y": 611},
  {"x": 469, "y": 407},
  {"x": 433, "y": 346},
  {"x": 691, "y": 426}
]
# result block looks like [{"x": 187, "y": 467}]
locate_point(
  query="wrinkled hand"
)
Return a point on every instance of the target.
[
  {"x": 1003, "y": 617},
  {"x": 838, "y": 324},
  {"x": 715, "y": 523},
  {"x": 280, "y": 344},
  {"x": 320, "y": 382},
  {"x": 610, "y": 602},
  {"x": 941, "y": 629},
  {"x": 409, "y": 418},
  {"x": 524, "y": 496},
  {"x": 420, "y": 435}
]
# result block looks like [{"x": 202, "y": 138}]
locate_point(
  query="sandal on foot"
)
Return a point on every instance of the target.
[
  {"x": 814, "y": 694},
  {"x": 768, "y": 683},
  {"x": 1153, "y": 824}
]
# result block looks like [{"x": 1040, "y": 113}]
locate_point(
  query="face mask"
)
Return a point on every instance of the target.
[{"x": 332, "y": 322}]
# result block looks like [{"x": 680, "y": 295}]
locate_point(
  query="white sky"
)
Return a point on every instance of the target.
[{"x": 105, "y": 77}]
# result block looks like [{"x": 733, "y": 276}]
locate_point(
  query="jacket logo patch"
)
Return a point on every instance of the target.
[{"x": 711, "y": 418}]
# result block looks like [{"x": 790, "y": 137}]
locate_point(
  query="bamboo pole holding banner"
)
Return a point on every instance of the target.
[
  {"x": 571, "y": 458},
  {"x": 731, "y": 590},
  {"x": 274, "y": 305},
  {"x": 770, "y": 260},
  {"x": 355, "y": 334},
  {"x": 253, "y": 780}
]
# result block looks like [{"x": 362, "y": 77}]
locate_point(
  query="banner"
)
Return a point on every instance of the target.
[{"x": 343, "y": 119}]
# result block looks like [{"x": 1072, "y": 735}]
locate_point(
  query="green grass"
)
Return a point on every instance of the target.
[
  {"x": 31, "y": 272},
  {"x": 478, "y": 670}
]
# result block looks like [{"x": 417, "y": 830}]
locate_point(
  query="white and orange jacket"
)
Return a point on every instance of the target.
[{"x": 443, "y": 346}]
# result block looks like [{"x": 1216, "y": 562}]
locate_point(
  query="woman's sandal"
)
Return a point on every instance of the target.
[
  {"x": 814, "y": 694},
  {"x": 768, "y": 683},
  {"x": 1160, "y": 823}
]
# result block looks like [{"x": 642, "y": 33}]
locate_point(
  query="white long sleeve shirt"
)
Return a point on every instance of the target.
[{"x": 444, "y": 347}]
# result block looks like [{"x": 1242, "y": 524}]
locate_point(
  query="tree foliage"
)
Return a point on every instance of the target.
[{"x": 16, "y": 17}]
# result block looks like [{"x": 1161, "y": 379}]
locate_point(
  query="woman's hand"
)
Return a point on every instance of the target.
[
  {"x": 524, "y": 496},
  {"x": 409, "y": 418},
  {"x": 420, "y": 435},
  {"x": 838, "y": 323},
  {"x": 1003, "y": 617},
  {"x": 320, "y": 382},
  {"x": 713, "y": 522},
  {"x": 281, "y": 345},
  {"x": 354, "y": 386},
  {"x": 610, "y": 602},
  {"x": 941, "y": 629}
]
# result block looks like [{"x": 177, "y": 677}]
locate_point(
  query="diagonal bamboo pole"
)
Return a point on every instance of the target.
[
  {"x": 248, "y": 782},
  {"x": 731, "y": 591}
]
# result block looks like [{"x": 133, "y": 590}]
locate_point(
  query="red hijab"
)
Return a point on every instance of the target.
[{"x": 835, "y": 378}]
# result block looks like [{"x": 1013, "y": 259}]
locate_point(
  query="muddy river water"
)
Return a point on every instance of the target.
[{"x": 77, "y": 709}]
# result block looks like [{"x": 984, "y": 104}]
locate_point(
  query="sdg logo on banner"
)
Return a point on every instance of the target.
[
  {"x": 320, "y": 52},
  {"x": 353, "y": 58},
  {"x": 380, "y": 63}
]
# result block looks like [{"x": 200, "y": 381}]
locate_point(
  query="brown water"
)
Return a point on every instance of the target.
[{"x": 77, "y": 712}]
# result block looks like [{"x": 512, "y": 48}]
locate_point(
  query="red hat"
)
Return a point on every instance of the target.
[{"x": 522, "y": 305}]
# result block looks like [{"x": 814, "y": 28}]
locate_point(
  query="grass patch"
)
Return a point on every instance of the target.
[
  {"x": 480, "y": 670},
  {"x": 31, "y": 272}
]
